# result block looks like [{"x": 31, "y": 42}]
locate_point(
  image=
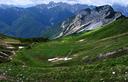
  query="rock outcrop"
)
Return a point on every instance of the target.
[
  {"x": 6, "y": 51},
  {"x": 89, "y": 19}
]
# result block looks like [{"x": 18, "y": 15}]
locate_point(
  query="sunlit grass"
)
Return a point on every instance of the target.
[{"x": 31, "y": 64}]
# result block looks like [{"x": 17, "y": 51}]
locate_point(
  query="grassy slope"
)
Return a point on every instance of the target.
[{"x": 30, "y": 64}]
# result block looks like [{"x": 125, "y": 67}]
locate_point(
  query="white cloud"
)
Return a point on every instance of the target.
[
  {"x": 34, "y": 2},
  {"x": 102, "y": 2}
]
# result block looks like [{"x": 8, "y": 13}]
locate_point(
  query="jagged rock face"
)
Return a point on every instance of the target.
[
  {"x": 89, "y": 19},
  {"x": 6, "y": 51}
]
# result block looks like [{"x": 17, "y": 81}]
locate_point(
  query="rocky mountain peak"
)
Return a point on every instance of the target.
[
  {"x": 104, "y": 8},
  {"x": 88, "y": 19}
]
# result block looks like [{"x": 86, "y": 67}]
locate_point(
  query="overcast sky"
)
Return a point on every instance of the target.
[{"x": 34, "y": 2}]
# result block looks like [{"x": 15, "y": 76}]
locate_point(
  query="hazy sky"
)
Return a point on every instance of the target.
[{"x": 34, "y": 2}]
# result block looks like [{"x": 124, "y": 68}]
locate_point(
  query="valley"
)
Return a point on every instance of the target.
[
  {"x": 63, "y": 42},
  {"x": 99, "y": 55}
]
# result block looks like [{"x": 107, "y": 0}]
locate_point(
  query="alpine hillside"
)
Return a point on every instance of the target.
[
  {"x": 89, "y": 19},
  {"x": 44, "y": 20},
  {"x": 100, "y": 55},
  {"x": 34, "y": 21}
]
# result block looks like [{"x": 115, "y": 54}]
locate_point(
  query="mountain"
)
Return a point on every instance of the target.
[
  {"x": 89, "y": 19},
  {"x": 91, "y": 45},
  {"x": 100, "y": 55},
  {"x": 34, "y": 21},
  {"x": 44, "y": 20},
  {"x": 56, "y": 12}
]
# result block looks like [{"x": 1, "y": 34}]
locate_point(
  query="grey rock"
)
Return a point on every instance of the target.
[{"x": 89, "y": 19}]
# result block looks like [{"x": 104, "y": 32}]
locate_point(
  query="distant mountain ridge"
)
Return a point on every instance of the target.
[
  {"x": 89, "y": 19},
  {"x": 34, "y": 21},
  {"x": 37, "y": 21}
]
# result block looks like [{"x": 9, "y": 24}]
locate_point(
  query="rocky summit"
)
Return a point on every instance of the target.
[{"x": 89, "y": 19}]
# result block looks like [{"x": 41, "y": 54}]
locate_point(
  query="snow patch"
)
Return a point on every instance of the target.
[
  {"x": 59, "y": 59},
  {"x": 10, "y": 47},
  {"x": 81, "y": 40},
  {"x": 21, "y": 47}
]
